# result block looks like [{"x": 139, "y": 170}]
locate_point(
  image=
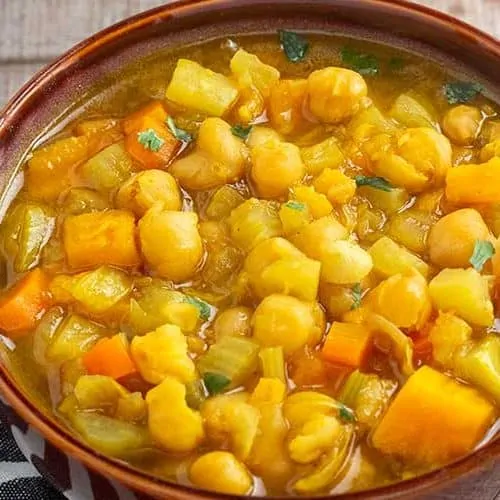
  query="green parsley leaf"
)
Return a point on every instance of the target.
[
  {"x": 294, "y": 45},
  {"x": 364, "y": 64},
  {"x": 241, "y": 131},
  {"x": 357, "y": 294},
  {"x": 150, "y": 140},
  {"x": 177, "y": 132},
  {"x": 461, "y": 92},
  {"x": 215, "y": 382},
  {"x": 483, "y": 251},
  {"x": 202, "y": 306},
  {"x": 396, "y": 63},
  {"x": 346, "y": 414},
  {"x": 374, "y": 182},
  {"x": 295, "y": 205}
]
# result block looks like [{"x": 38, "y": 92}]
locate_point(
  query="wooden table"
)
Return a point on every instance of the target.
[{"x": 35, "y": 32}]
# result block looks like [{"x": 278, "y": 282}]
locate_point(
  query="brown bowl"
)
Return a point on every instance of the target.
[{"x": 54, "y": 91}]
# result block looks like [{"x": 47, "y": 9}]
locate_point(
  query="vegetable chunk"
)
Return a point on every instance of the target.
[
  {"x": 100, "y": 238},
  {"x": 433, "y": 420}
]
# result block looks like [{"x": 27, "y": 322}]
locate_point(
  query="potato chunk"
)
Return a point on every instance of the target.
[
  {"x": 465, "y": 292},
  {"x": 172, "y": 424},
  {"x": 200, "y": 89},
  {"x": 163, "y": 353},
  {"x": 100, "y": 238},
  {"x": 171, "y": 243},
  {"x": 433, "y": 420},
  {"x": 452, "y": 239},
  {"x": 334, "y": 94}
]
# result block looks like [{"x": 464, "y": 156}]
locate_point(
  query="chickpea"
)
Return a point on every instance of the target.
[
  {"x": 335, "y": 94},
  {"x": 220, "y": 471},
  {"x": 171, "y": 243},
  {"x": 281, "y": 320},
  {"x": 233, "y": 321},
  {"x": 452, "y": 239},
  {"x": 146, "y": 188},
  {"x": 276, "y": 166},
  {"x": 462, "y": 124}
]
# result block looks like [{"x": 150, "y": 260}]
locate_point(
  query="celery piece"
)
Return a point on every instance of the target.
[
  {"x": 196, "y": 394},
  {"x": 44, "y": 333},
  {"x": 233, "y": 357},
  {"x": 109, "y": 435},
  {"x": 70, "y": 372},
  {"x": 410, "y": 112},
  {"x": 273, "y": 363},
  {"x": 108, "y": 169},
  {"x": 481, "y": 366},
  {"x": 83, "y": 200},
  {"x": 74, "y": 336},
  {"x": 225, "y": 199},
  {"x": 98, "y": 392},
  {"x": 215, "y": 382},
  {"x": 350, "y": 390}
]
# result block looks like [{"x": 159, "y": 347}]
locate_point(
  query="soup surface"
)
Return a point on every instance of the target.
[{"x": 267, "y": 266}]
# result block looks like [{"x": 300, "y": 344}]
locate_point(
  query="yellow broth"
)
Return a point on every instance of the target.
[{"x": 356, "y": 336}]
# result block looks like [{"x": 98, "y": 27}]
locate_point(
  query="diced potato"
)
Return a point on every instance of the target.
[
  {"x": 98, "y": 392},
  {"x": 171, "y": 243},
  {"x": 220, "y": 471},
  {"x": 145, "y": 189},
  {"x": 465, "y": 292},
  {"x": 276, "y": 167},
  {"x": 452, "y": 238},
  {"x": 408, "y": 111},
  {"x": 81, "y": 200},
  {"x": 254, "y": 221},
  {"x": 389, "y": 259},
  {"x": 172, "y": 424},
  {"x": 294, "y": 216},
  {"x": 285, "y": 106},
  {"x": 100, "y": 238},
  {"x": 107, "y": 169},
  {"x": 462, "y": 124},
  {"x": 233, "y": 321},
  {"x": 326, "y": 154},
  {"x": 250, "y": 70},
  {"x": 161, "y": 354},
  {"x": 223, "y": 201},
  {"x": 433, "y": 420},
  {"x": 281, "y": 320},
  {"x": 410, "y": 229},
  {"x": 317, "y": 203},
  {"x": 334, "y": 94},
  {"x": 338, "y": 187},
  {"x": 260, "y": 135},
  {"x": 448, "y": 336},
  {"x": 200, "y": 89}
]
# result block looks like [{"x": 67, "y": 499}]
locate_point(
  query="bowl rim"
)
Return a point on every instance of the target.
[{"x": 116, "y": 469}]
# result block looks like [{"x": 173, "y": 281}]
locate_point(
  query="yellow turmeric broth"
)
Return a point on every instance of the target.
[{"x": 267, "y": 266}]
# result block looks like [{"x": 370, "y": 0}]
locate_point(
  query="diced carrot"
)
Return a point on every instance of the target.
[
  {"x": 147, "y": 157},
  {"x": 474, "y": 183},
  {"x": 22, "y": 305},
  {"x": 98, "y": 238},
  {"x": 136, "y": 121},
  {"x": 433, "y": 420},
  {"x": 110, "y": 356},
  {"x": 347, "y": 344}
]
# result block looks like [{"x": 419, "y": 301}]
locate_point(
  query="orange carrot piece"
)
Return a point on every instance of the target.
[
  {"x": 474, "y": 183},
  {"x": 347, "y": 344},
  {"x": 110, "y": 356},
  {"x": 23, "y": 304},
  {"x": 147, "y": 157},
  {"x": 136, "y": 121}
]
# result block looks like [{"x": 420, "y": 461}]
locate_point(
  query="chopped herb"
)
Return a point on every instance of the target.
[
  {"x": 346, "y": 414},
  {"x": 203, "y": 307},
  {"x": 461, "y": 92},
  {"x": 374, "y": 182},
  {"x": 294, "y": 45},
  {"x": 295, "y": 205},
  {"x": 483, "y": 251},
  {"x": 177, "y": 132},
  {"x": 357, "y": 294},
  {"x": 241, "y": 131},
  {"x": 396, "y": 63},
  {"x": 364, "y": 64},
  {"x": 150, "y": 140},
  {"x": 215, "y": 382}
]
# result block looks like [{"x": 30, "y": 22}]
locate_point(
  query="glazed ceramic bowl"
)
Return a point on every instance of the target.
[{"x": 62, "y": 87}]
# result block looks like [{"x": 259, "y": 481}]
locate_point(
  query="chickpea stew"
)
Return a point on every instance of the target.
[{"x": 275, "y": 274}]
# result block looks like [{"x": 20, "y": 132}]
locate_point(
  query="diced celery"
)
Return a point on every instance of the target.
[
  {"x": 326, "y": 154},
  {"x": 410, "y": 229},
  {"x": 225, "y": 199},
  {"x": 44, "y": 333},
  {"x": 74, "y": 336},
  {"x": 70, "y": 373},
  {"x": 410, "y": 112},
  {"x": 109, "y": 435},
  {"x": 82, "y": 200},
  {"x": 98, "y": 392},
  {"x": 233, "y": 357},
  {"x": 108, "y": 169},
  {"x": 370, "y": 121},
  {"x": 131, "y": 408},
  {"x": 273, "y": 363},
  {"x": 481, "y": 366},
  {"x": 388, "y": 201},
  {"x": 196, "y": 394}
]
